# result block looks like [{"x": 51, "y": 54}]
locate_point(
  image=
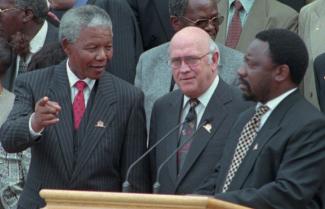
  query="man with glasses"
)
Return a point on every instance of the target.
[
  {"x": 152, "y": 68},
  {"x": 205, "y": 108},
  {"x": 24, "y": 25}
]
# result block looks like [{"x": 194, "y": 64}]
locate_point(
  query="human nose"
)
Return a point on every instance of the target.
[{"x": 101, "y": 54}]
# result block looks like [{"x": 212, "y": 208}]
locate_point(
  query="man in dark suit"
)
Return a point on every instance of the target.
[
  {"x": 153, "y": 20},
  {"x": 23, "y": 24},
  {"x": 319, "y": 68},
  {"x": 84, "y": 126},
  {"x": 194, "y": 62},
  {"x": 276, "y": 153}
]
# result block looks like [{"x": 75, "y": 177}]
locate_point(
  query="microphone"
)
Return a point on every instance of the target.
[
  {"x": 156, "y": 185},
  {"x": 126, "y": 184}
]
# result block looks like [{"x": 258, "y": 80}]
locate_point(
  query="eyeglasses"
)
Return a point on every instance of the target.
[
  {"x": 6, "y": 10},
  {"x": 203, "y": 23},
  {"x": 191, "y": 61}
]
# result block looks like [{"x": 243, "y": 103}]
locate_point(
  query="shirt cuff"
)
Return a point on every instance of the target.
[{"x": 31, "y": 131}]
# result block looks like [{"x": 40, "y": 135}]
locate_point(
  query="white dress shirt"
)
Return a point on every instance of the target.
[{"x": 203, "y": 99}]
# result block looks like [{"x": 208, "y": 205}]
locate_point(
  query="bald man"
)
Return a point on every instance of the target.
[{"x": 207, "y": 98}]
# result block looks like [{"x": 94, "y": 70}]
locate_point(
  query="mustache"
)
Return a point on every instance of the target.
[{"x": 244, "y": 82}]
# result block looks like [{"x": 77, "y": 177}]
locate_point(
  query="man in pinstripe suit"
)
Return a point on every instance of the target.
[{"x": 81, "y": 139}]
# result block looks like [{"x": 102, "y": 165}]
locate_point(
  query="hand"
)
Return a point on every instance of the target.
[{"x": 46, "y": 114}]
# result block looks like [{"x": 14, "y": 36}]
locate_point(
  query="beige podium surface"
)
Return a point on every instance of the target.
[{"x": 63, "y": 199}]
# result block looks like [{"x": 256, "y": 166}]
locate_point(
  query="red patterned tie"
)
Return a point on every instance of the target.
[
  {"x": 79, "y": 103},
  {"x": 235, "y": 27}
]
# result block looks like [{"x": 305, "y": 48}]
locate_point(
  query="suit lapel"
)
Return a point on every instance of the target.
[
  {"x": 99, "y": 120},
  {"x": 175, "y": 109},
  {"x": 60, "y": 92},
  {"x": 270, "y": 128},
  {"x": 256, "y": 21},
  {"x": 216, "y": 111}
]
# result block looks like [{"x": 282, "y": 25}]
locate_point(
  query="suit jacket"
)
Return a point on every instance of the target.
[
  {"x": 319, "y": 66},
  {"x": 312, "y": 31},
  {"x": 283, "y": 168},
  {"x": 127, "y": 42},
  {"x": 10, "y": 76},
  {"x": 224, "y": 107},
  {"x": 264, "y": 14},
  {"x": 153, "y": 19},
  {"x": 111, "y": 136},
  {"x": 154, "y": 74}
]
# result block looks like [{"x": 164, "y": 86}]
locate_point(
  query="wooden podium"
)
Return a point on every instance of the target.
[{"x": 62, "y": 199}]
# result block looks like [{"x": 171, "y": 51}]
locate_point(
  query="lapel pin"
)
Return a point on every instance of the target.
[
  {"x": 208, "y": 127},
  {"x": 100, "y": 124},
  {"x": 255, "y": 147}
]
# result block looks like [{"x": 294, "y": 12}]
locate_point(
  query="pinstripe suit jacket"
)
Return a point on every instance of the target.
[{"x": 105, "y": 151}]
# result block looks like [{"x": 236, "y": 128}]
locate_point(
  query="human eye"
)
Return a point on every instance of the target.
[
  {"x": 191, "y": 60},
  {"x": 175, "y": 62},
  {"x": 109, "y": 48},
  {"x": 202, "y": 23}
]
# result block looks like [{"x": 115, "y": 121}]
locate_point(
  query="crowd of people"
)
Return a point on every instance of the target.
[{"x": 225, "y": 96}]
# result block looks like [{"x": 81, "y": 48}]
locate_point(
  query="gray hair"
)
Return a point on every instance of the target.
[
  {"x": 213, "y": 48},
  {"x": 178, "y": 7},
  {"x": 39, "y": 7},
  {"x": 85, "y": 16}
]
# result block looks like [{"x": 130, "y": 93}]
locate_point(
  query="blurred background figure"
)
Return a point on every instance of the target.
[
  {"x": 245, "y": 18},
  {"x": 24, "y": 25},
  {"x": 312, "y": 31},
  {"x": 13, "y": 167},
  {"x": 153, "y": 20}
]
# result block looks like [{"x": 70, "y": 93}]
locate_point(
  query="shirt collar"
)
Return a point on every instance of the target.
[
  {"x": 39, "y": 39},
  {"x": 73, "y": 78},
  {"x": 247, "y": 4},
  {"x": 272, "y": 104},
  {"x": 206, "y": 96}
]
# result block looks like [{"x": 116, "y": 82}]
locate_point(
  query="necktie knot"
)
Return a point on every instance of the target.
[
  {"x": 80, "y": 85},
  {"x": 238, "y": 6},
  {"x": 261, "y": 110},
  {"x": 194, "y": 102}
]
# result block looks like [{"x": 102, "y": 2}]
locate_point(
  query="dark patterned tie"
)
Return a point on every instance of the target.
[
  {"x": 22, "y": 66},
  {"x": 235, "y": 26},
  {"x": 186, "y": 132},
  {"x": 79, "y": 103},
  {"x": 246, "y": 139}
]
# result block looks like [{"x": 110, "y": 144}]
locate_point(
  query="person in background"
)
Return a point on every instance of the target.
[
  {"x": 245, "y": 18},
  {"x": 23, "y": 24},
  {"x": 312, "y": 31},
  {"x": 13, "y": 167}
]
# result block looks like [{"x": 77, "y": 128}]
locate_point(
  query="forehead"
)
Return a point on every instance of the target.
[
  {"x": 201, "y": 8},
  {"x": 258, "y": 50},
  {"x": 90, "y": 34},
  {"x": 186, "y": 46}
]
